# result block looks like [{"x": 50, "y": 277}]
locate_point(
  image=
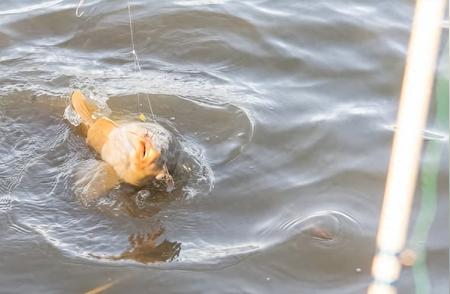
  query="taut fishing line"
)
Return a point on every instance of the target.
[{"x": 137, "y": 65}]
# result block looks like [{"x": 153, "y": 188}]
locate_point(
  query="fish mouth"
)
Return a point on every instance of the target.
[
  {"x": 148, "y": 146},
  {"x": 145, "y": 146}
]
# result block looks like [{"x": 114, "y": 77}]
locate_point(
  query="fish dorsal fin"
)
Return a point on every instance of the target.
[
  {"x": 83, "y": 107},
  {"x": 99, "y": 132}
]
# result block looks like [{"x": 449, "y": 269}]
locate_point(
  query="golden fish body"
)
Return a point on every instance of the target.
[{"x": 130, "y": 152}]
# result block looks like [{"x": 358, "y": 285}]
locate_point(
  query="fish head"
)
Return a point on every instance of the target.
[{"x": 146, "y": 161}]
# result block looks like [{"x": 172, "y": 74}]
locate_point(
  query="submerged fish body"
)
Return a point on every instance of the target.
[{"x": 131, "y": 152}]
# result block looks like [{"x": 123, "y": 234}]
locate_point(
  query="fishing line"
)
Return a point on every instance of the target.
[{"x": 137, "y": 65}]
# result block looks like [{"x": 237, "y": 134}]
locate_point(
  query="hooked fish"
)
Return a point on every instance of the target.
[{"x": 130, "y": 152}]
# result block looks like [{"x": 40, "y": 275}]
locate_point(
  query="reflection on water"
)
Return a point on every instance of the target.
[
  {"x": 284, "y": 112},
  {"x": 144, "y": 248}
]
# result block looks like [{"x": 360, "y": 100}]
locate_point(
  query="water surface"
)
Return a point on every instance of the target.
[{"x": 285, "y": 111}]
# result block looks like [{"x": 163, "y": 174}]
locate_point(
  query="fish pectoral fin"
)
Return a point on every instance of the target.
[
  {"x": 93, "y": 179},
  {"x": 83, "y": 107}
]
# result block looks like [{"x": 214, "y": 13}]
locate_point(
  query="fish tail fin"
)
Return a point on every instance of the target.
[{"x": 83, "y": 107}]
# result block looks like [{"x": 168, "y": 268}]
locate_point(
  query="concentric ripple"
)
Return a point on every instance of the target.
[{"x": 47, "y": 150}]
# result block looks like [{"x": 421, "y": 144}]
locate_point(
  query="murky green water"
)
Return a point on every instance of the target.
[{"x": 285, "y": 111}]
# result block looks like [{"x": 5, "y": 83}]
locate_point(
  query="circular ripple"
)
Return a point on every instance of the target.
[
  {"x": 329, "y": 228},
  {"x": 128, "y": 225}
]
